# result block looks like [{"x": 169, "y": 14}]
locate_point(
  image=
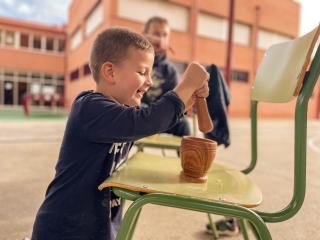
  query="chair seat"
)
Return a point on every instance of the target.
[
  {"x": 162, "y": 140},
  {"x": 145, "y": 172}
]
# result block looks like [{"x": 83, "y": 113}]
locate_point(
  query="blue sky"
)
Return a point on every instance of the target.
[
  {"x": 43, "y": 11},
  {"x": 55, "y": 11}
]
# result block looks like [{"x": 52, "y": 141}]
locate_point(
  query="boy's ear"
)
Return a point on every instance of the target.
[{"x": 107, "y": 72}]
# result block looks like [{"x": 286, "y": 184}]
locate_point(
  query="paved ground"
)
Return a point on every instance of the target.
[{"x": 29, "y": 149}]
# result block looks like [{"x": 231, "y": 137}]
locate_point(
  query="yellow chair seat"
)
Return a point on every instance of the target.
[
  {"x": 162, "y": 140},
  {"x": 148, "y": 173}
]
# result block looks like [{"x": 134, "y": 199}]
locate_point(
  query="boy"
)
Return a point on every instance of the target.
[
  {"x": 101, "y": 128},
  {"x": 164, "y": 75}
]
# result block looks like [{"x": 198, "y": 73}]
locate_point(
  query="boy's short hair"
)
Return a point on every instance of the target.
[
  {"x": 112, "y": 45},
  {"x": 152, "y": 20}
]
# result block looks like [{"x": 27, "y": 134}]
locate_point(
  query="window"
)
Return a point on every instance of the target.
[
  {"x": 8, "y": 73},
  {"x": 74, "y": 75},
  {"x": 60, "y": 89},
  {"x": 48, "y": 77},
  {"x": 76, "y": 39},
  {"x": 24, "y": 40},
  {"x": 37, "y": 42},
  {"x": 48, "y": 89},
  {"x": 217, "y": 28},
  {"x": 141, "y": 10},
  {"x": 94, "y": 19},
  {"x": 267, "y": 38},
  {"x": 60, "y": 93},
  {"x": 9, "y": 38},
  {"x": 212, "y": 26},
  {"x": 35, "y": 76},
  {"x": 42, "y": 87},
  {"x": 86, "y": 69},
  {"x": 50, "y": 44},
  {"x": 60, "y": 78},
  {"x": 22, "y": 76},
  {"x": 61, "y": 45},
  {"x": 241, "y": 76},
  {"x": 35, "y": 88},
  {"x": 8, "y": 93},
  {"x": 241, "y": 34}
]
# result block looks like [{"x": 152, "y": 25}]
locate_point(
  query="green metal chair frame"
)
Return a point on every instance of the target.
[
  {"x": 309, "y": 82},
  {"x": 300, "y": 142},
  {"x": 257, "y": 219}
]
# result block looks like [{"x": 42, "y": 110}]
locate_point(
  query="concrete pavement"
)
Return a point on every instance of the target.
[{"x": 29, "y": 150}]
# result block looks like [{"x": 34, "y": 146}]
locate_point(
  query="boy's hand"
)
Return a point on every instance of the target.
[
  {"x": 202, "y": 92},
  {"x": 193, "y": 79},
  {"x": 195, "y": 76}
]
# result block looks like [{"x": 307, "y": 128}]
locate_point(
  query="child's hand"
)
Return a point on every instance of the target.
[
  {"x": 202, "y": 92},
  {"x": 195, "y": 76}
]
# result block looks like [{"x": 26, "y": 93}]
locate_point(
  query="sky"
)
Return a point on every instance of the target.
[
  {"x": 55, "y": 11},
  {"x": 43, "y": 11}
]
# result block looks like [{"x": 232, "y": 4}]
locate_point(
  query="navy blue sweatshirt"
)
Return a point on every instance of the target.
[
  {"x": 164, "y": 77},
  {"x": 97, "y": 139}
]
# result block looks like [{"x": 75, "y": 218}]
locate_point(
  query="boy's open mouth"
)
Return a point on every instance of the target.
[{"x": 141, "y": 92}]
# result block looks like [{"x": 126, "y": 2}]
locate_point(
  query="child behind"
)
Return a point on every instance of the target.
[{"x": 100, "y": 131}]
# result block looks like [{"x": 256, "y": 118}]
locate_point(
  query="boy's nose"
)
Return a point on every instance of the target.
[{"x": 149, "y": 80}]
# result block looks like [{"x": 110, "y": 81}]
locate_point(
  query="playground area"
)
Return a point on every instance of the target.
[
  {"x": 8, "y": 113},
  {"x": 29, "y": 150}
]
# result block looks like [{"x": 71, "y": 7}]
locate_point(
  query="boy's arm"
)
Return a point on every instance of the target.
[{"x": 105, "y": 121}]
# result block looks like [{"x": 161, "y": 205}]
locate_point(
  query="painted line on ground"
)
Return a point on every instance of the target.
[{"x": 26, "y": 139}]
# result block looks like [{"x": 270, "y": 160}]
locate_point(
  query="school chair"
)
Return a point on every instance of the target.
[
  {"x": 152, "y": 179},
  {"x": 162, "y": 141}
]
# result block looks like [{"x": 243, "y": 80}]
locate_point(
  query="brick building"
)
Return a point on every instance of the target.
[
  {"x": 199, "y": 31},
  {"x": 32, "y": 62}
]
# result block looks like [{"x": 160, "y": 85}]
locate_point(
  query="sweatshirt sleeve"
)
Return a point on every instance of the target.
[{"x": 103, "y": 120}]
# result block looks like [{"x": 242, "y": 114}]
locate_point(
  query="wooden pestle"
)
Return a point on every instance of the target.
[
  {"x": 196, "y": 71},
  {"x": 204, "y": 119}
]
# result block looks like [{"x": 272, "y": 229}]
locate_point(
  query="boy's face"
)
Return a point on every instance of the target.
[
  {"x": 161, "y": 31},
  {"x": 132, "y": 77}
]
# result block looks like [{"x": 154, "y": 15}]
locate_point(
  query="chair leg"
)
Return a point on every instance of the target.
[
  {"x": 128, "y": 224},
  {"x": 243, "y": 228},
  {"x": 191, "y": 204},
  {"x": 213, "y": 227},
  {"x": 139, "y": 148},
  {"x": 131, "y": 232},
  {"x": 255, "y": 233}
]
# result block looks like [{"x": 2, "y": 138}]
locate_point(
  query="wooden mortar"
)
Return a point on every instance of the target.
[{"x": 197, "y": 155}]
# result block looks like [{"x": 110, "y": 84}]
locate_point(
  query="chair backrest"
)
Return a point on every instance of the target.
[
  {"x": 282, "y": 70},
  {"x": 281, "y": 75}
]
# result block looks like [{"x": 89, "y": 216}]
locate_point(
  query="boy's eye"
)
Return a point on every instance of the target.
[{"x": 142, "y": 73}]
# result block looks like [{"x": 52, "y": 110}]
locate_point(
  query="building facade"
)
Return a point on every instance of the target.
[
  {"x": 199, "y": 32},
  {"x": 32, "y": 63}
]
